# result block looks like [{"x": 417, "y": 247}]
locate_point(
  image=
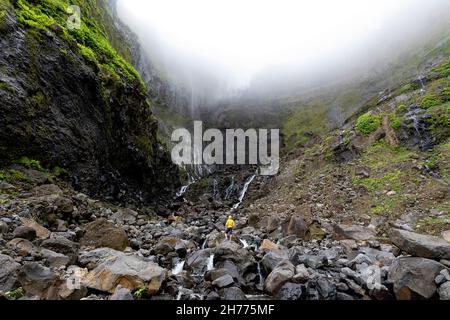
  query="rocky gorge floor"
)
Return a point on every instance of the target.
[{"x": 59, "y": 244}]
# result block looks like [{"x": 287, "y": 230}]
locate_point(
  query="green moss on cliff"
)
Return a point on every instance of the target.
[
  {"x": 368, "y": 123},
  {"x": 92, "y": 40}
]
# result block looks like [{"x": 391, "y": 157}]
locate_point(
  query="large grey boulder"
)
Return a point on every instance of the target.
[
  {"x": 39, "y": 281},
  {"x": 282, "y": 273},
  {"x": 355, "y": 232},
  {"x": 8, "y": 273},
  {"x": 414, "y": 277},
  {"x": 130, "y": 271},
  {"x": 420, "y": 245},
  {"x": 272, "y": 259},
  {"x": 62, "y": 245},
  {"x": 444, "y": 291},
  {"x": 231, "y": 251},
  {"x": 101, "y": 233},
  {"x": 121, "y": 293}
]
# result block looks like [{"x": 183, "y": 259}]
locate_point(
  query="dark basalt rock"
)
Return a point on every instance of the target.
[{"x": 62, "y": 110}]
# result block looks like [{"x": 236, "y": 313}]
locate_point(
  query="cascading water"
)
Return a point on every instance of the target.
[
  {"x": 178, "y": 268},
  {"x": 422, "y": 85},
  {"x": 244, "y": 243},
  {"x": 216, "y": 192},
  {"x": 244, "y": 191},
  {"x": 183, "y": 189},
  {"x": 204, "y": 244},
  {"x": 210, "y": 263},
  {"x": 230, "y": 188},
  {"x": 260, "y": 276},
  {"x": 417, "y": 118}
]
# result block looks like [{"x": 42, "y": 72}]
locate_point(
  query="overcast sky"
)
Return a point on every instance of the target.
[{"x": 234, "y": 40}]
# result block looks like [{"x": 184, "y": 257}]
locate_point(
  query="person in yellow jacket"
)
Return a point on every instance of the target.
[{"x": 229, "y": 225}]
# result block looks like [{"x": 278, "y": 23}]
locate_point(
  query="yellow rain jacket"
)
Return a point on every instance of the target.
[{"x": 230, "y": 223}]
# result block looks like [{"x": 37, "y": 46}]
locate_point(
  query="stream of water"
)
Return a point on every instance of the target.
[{"x": 244, "y": 191}]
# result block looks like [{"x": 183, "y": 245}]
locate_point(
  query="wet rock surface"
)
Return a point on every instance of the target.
[{"x": 122, "y": 254}]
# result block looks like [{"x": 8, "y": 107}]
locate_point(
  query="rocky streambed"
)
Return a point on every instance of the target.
[{"x": 56, "y": 243}]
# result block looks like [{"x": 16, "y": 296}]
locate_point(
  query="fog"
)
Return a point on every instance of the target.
[{"x": 222, "y": 47}]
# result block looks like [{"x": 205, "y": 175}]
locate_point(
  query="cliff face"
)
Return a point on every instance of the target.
[{"x": 70, "y": 99}]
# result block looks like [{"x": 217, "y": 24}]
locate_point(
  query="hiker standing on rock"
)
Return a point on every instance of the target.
[{"x": 229, "y": 225}]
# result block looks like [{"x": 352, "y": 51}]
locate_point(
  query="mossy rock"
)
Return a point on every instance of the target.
[{"x": 368, "y": 123}]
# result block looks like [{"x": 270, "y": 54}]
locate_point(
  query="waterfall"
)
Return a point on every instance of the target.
[
  {"x": 183, "y": 189},
  {"x": 204, "y": 244},
  {"x": 244, "y": 191},
  {"x": 178, "y": 268},
  {"x": 422, "y": 85},
  {"x": 260, "y": 276},
  {"x": 216, "y": 192},
  {"x": 417, "y": 117},
  {"x": 230, "y": 188},
  {"x": 244, "y": 243},
  {"x": 180, "y": 292},
  {"x": 210, "y": 263}
]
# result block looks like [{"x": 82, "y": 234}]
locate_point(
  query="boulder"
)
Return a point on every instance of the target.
[
  {"x": 299, "y": 226},
  {"x": 233, "y": 271},
  {"x": 125, "y": 216},
  {"x": 232, "y": 293},
  {"x": 3, "y": 227},
  {"x": 223, "y": 281},
  {"x": 444, "y": 291},
  {"x": 39, "y": 281},
  {"x": 24, "y": 233},
  {"x": 282, "y": 273},
  {"x": 268, "y": 245},
  {"x": 91, "y": 259},
  {"x": 54, "y": 259},
  {"x": 272, "y": 259},
  {"x": 355, "y": 232},
  {"x": 35, "y": 176},
  {"x": 8, "y": 273},
  {"x": 446, "y": 235},
  {"x": 101, "y": 233},
  {"x": 291, "y": 291},
  {"x": 414, "y": 277},
  {"x": 165, "y": 245},
  {"x": 215, "y": 274},
  {"x": 22, "y": 247},
  {"x": 231, "y": 251},
  {"x": 273, "y": 223},
  {"x": 198, "y": 261},
  {"x": 130, "y": 271},
  {"x": 301, "y": 273},
  {"x": 312, "y": 261},
  {"x": 46, "y": 189},
  {"x": 41, "y": 232},
  {"x": 69, "y": 292},
  {"x": 62, "y": 245},
  {"x": 121, "y": 293},
  {"x": 362, "y": 171},
  {"x": 6, "y": 186},
  {"x": 420, "y": 245},
  {"x": 326, "y": 289}
]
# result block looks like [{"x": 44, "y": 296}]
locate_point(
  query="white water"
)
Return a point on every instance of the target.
[
  {"x": 183, "y": 189},
  {"x": 261, "y": 279},
  {"x": 204, "y": 244},
  {"x": 216, "y": 192},
  {"x": 244, "y": 191},
  {"x": 422, "y": 85},
  {"x": 229, "y": 190},
  {"x": 180, "y": 292},
  {"x": 210, "y": 263},
  {"x": 178, "y": 268},
  {"x": 244, "y": 243}
]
